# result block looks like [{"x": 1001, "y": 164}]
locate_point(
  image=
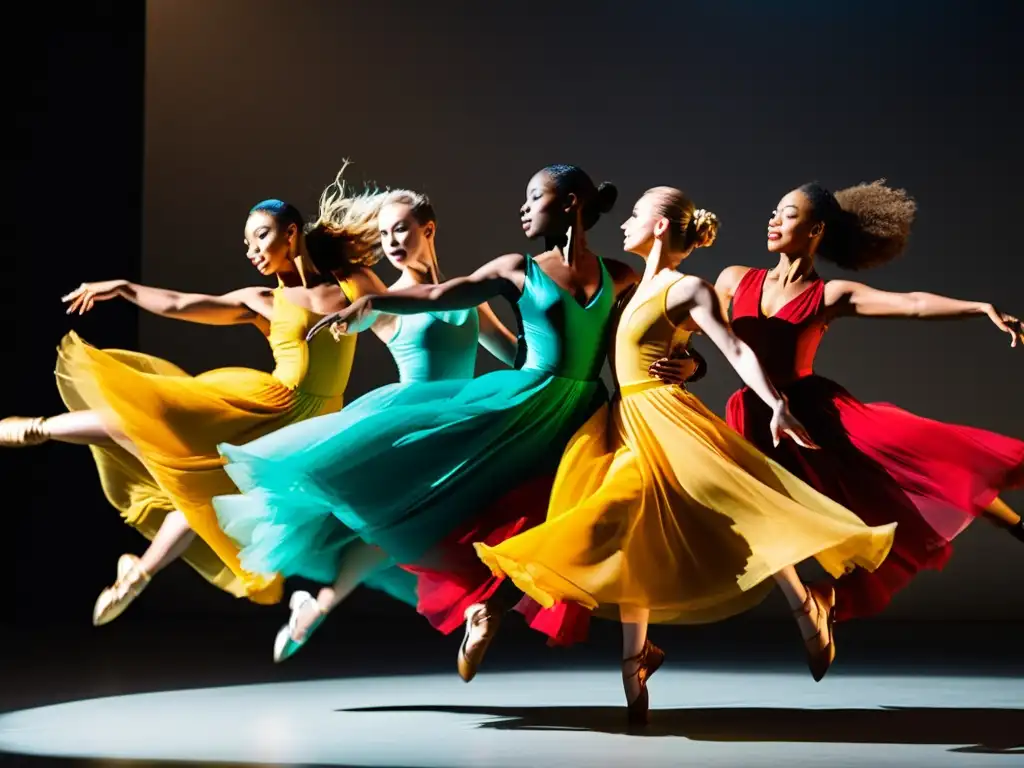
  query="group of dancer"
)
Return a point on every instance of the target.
[{"x": 530, "y": 488}]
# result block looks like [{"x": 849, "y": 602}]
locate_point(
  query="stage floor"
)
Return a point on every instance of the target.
[{"x": 889, "y": 705}]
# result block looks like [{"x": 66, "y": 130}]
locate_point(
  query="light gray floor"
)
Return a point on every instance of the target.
[{"x": 532, "y": 719}]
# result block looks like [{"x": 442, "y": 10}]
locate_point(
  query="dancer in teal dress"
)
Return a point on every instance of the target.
[
  {"x": 431, "y": 456},
  {"x": 426, "y": 347}
]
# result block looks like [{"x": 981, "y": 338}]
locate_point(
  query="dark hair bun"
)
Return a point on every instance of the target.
[{"x": 607, "y": 194}]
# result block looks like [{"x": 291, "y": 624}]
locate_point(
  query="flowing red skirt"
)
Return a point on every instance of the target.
[
  {"x": 887, "y": 465},
  {"x": 455, "y": 578}
]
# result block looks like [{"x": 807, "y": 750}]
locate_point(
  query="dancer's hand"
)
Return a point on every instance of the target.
[
  {"x": 86, "y": 295},
  {"x": 336, "y": 323},
  {"x": 1007, "y": 324},
  {"x": 352, "y": 319},
  {"x": 680, "y": 368},
  {"x": 785, "y": 423}
]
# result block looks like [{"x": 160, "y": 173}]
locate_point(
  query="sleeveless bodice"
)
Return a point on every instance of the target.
[
  {"x": 320, "y": 367},
  {"x": 562, "y": 337},
  {"x": 787, "y": 342},
  {"x": 645, "y": 333},
  {"x": 436, "y": 345}
]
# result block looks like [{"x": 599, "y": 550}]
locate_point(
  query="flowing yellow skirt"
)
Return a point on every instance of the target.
[
  {"x": 659, "y": 505},
  {"x": 164, "y": 457}
]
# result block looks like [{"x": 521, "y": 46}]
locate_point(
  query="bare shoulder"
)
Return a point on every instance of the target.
[
  {"x": 258, "y": 298},
  {"x": 848, "y": 297},
  {"x": 327, "y": 298},
  {"x": 686, "y": 294},
  {"x": 510, "y": 261},
  {"x": 255, "y": 302},
  {"x": 690, "y": 287},
  {"x": 508, "y": 265},
  {"x": 254, "y": 292},
  {"x": 836, "y": 290},
  {"x": 729, "y": 278}
]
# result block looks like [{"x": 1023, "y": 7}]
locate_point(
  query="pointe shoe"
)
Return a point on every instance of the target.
[
  {"x": 21, "y": 432},
  {"x": 112, "y": 602},
  {"x": 820, "y": 607},
  {"x": 648, "y": 661},
  {"x": 285, "y": 646},
  {"x": 482, "y": 623}
]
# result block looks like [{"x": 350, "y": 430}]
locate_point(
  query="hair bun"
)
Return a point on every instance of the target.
[
  {"x": 607, "y": 194},
  {"x": 705, "y": 225}
]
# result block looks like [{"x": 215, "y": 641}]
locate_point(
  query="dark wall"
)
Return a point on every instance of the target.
[
  {"x": 77, "y": 106},
  {"x": 734, "y": 102}
]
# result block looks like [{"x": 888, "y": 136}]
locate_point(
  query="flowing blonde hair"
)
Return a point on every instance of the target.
[{"x": 344, "y": 235}]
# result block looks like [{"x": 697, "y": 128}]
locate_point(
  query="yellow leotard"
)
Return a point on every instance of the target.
[{"x": 170, "y": 424}]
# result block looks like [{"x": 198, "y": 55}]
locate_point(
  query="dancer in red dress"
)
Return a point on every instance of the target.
[{"x": 880, "y": 461}]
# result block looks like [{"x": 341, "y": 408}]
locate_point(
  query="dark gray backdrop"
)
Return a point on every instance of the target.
[{"x": 735, "y": 102}]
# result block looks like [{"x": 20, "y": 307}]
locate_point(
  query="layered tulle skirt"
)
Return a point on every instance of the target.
[{"x": 415, "y": 469}]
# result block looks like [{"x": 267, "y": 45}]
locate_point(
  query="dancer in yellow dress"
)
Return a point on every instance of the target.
[
  {"x": 661, "y": 512},
  {"x": 154, "y": 430}
]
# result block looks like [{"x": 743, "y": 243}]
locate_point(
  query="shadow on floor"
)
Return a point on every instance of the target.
[{"x": 979, "y": 731}]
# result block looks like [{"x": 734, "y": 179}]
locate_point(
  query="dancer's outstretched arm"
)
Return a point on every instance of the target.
[
  {"x": 848, "y": 298},
  {"x": 245, "y": 305},
  {"x": 504, "y": 276}
]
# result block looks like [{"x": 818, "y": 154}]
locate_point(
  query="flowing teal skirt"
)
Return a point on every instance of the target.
[{"x": 401, "y": 468}]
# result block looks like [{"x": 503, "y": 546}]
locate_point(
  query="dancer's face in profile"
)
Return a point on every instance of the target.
[
  {"x": 405, "y": 241},
  {"x": 792, "y": 227},
  {"x": 642, "y": 227},
  {"x": 269, "y": 246},
  {"x": 545, "y": 213}
]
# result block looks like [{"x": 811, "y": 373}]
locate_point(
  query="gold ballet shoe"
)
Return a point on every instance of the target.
[
  {"x": 648, "y": 661},
  {"x": 820, "y": 607},
  {"x": 112, "y": 602},
  {"x": 20, "y": 432},
  {"x": 482, "y": 623}
]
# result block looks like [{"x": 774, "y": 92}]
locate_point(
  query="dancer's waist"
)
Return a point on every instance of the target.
[
  {"x": 634, "y": 388},
  {"x": 314, "y": 389}
]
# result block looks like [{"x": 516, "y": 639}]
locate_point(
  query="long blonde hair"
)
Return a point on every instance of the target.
[{"x": 344, "y": 235}]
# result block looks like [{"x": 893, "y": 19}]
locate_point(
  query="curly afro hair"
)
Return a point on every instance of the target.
[{"x": 865, "y": 225}]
